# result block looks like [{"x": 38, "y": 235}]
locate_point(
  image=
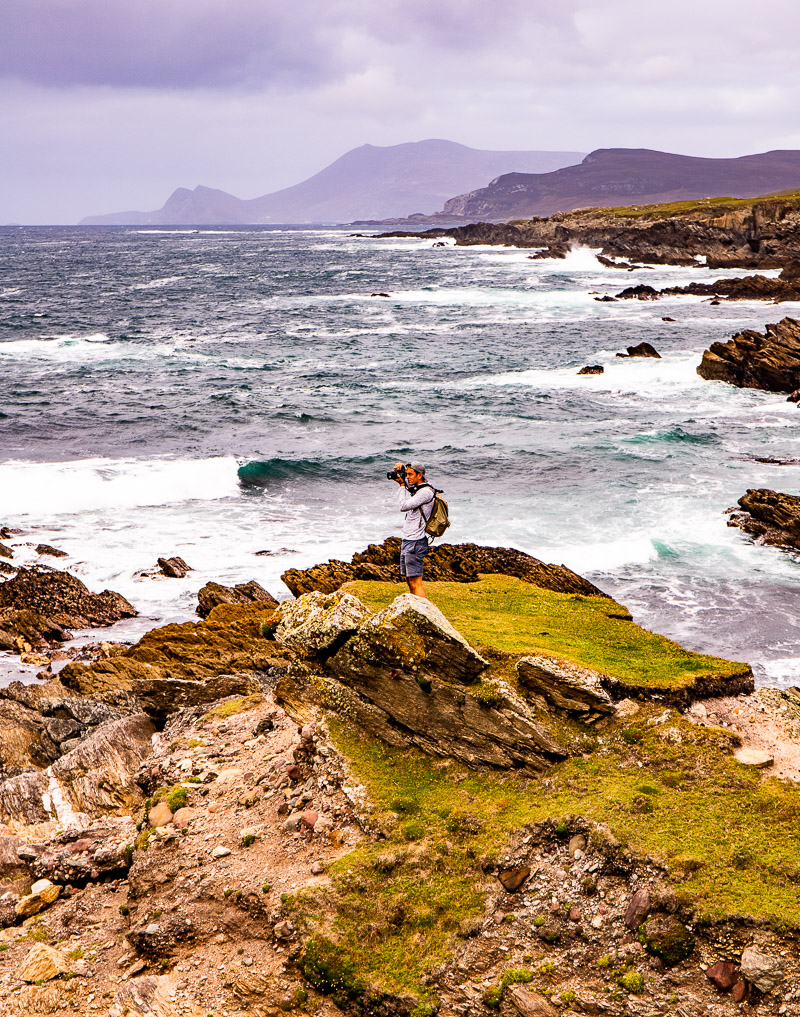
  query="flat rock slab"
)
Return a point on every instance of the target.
[{"x": 754, "y": 757}]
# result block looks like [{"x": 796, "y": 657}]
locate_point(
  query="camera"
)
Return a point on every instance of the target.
[{"x": 397, "y": 474}]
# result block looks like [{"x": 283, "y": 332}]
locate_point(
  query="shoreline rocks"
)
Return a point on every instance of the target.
[
  {"x": 769, "y": 516},
  {"x": 769, "y": 361}
]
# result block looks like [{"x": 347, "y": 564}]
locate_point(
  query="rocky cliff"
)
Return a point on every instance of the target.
[{"x": 769, "y": 361}]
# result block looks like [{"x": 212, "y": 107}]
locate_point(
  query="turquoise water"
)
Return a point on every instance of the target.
[{"x": 214, "y": 393}]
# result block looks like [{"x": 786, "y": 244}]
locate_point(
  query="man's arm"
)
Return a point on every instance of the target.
[{"x": 410, "y": 501}]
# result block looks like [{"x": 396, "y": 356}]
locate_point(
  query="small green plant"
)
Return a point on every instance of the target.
[
  {"x": 568, "y": 997},
  {"x": 632, "y": 735},
  {"x": 77, "y": 953},
  {"x": 266, "y": 887},
  {"x": 513, "y": 976},
  {"x": 193, "y": 780},
  {"x": 547, "y": 969},
  {"x": 248, "y": 839},
  {"x": 632, "y": 981},
  {"x": 539, "y": 921},
  {"x": 124, "y": 910},
  {"x": 424, "y": 1009},
  {"x": 227, "y": 891},
  {"x": 488, "y": 694},
  {"x": 413, "y": 830},
  {"x": 158, "y": 913},
  {"x": 38, "y": 933},
  {"x": 176, "y": 799},
  {"x": 562, "y": 828},
  {"x": 3, "y": 946},
  {"x": 604, "y": 962},
  {"x": 493, "y": 997},
  {"x": 268, "y": 629}
]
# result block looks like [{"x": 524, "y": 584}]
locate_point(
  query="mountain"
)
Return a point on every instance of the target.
[
  {"x": 369, "y": 182},
  {"x": 610, "y": 177}
]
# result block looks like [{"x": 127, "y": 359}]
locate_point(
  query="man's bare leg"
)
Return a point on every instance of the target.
[{"x": 415, "y": 586}]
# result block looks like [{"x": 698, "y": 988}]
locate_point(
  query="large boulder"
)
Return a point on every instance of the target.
[
  {"x": 770, "y": 516},
  {"x": 409, "y": 677},
  {"x": 319, "y": 623},
  {"x": 213, "y": 594},
  {"x": 451, "y": 563},
  {"x": 42, "y": 963},
  {"x": 565, "y": 685},
  {"x": 751, "y": 360},
  {"x": 63, "y": 599},
  {"x": 24, "y": 742},
  {"x": 410, "y": 635},
  {"x": 22, "y": 630}
]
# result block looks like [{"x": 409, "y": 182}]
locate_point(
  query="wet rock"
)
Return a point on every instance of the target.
[
  {"x": 175, "y": 568},
  {"x": 319, "y": 623},
  {"x": 769, "y": 361},
  {"x": 592, "y": 369},
  {"x": 63, "y": 599},
  {"x": 528, "y": 1004},
  {"x": 642, "y": 349},
  {"x": 564, "y": 685},
  {"x": 640, "y": 292},
  {"x": 770, "y": 516},
  {"x": 638, "y": 908},
  {"x": 763, "y": 970},
  {"x": 668, "y": 939},
  {"x": 454, "y": 563},
  {"x": 41, "y": 964},
  {"x": 51, "y": 552},
  {"x": 214, "y": 594},
  {"x": 724, "y": 975},
  {"x": 5, "y": 552},
  {"x": 22, "y": 630},
  {"x": 512, "y": 879}
]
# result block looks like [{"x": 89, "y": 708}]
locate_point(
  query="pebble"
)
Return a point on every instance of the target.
[{"x": 220, "y": 852}]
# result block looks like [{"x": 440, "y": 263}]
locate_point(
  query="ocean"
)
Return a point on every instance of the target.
[{"x": 214, "y": 393}]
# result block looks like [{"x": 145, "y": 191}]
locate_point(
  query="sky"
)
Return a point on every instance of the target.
[{"x": 109, "y": 105}]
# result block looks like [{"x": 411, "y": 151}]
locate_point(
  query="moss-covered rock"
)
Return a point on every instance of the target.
[{"x": 668, "y": 939}]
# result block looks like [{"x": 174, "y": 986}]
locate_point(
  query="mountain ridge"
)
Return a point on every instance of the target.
[{"x": 367, "y": 182}]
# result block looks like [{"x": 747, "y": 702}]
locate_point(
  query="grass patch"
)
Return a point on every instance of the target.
[
  {"x": 517, "y": 618},
  {"x": 231, "y": 707},
  {"x": 399, "y": 903}
]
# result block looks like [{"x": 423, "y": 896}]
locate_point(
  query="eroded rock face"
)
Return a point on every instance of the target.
[
  {"x": 318, "y": 623},
  {"x": 22, "y": 630},
  {"x": 564, "y": 685},
  {"x": 770, "y": 516},
  {"x": 24, "y": 742},
  {"x": 452, "y": 563},
  {"x": 213, "y": 594},
  {"x": 751, "y": 360},
  {"x": 63, "y": 599}
]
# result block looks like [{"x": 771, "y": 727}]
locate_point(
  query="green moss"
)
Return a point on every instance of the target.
[
  {"x": 331, "y": 971},
  {"x": 632, "y": 981},
  {"x": 230, "y": 707},
  {"x": 517, "y": 618},
  {"x": 176, "y": 799}
]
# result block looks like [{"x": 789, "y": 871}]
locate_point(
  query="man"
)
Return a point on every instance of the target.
[{"x": 418, "y": 505}]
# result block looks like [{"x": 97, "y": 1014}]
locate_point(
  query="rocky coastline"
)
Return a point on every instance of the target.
[{"x": 359, "y": 801}]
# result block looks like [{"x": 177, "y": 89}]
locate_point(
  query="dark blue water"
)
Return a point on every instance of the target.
[{"x": 141, "y": 370}]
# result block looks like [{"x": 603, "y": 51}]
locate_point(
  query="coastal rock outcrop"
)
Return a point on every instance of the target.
[
  {"x": 63, "y": 599},
  {"x": 451, "y": 563},
  {"x": 641, "y": 350},
  {"x": 564, "y": 685},
  {"x": 213, "y": 594},
  {"x": 319, "y": 623},
  {"x": 770, "y": 516},
  {"x": 769, "y": 361}
]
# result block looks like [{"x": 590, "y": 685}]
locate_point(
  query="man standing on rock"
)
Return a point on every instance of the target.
[{"x": 417, "y": 502}]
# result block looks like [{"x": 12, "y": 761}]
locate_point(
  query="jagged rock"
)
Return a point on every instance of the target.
[
  {"x": 175, "y": 568},
  {"x": 213, "y": 594},
  {"x": 63, "y": 599},
  {"x": 97, "y": 777},
  {"x": 405, "y": 676},
  {"x": 22, "y": 798},
  {"x": 148, "y": 996},
  {"x": 51, "y": 552},
  {"x": 24, "y": 743},
  {"x": 5, "y": 552},
  {"x": 592, "y": 369},
  {"x": 21, "y": 630},
  {"x": 41, "y": 964},
  {"x": 751, "y": 360},
  {"x": 762, "y": 969},
  {"x": 668, "y": 939},
  {"x": 318, "y": 623},
  {"x": 638, "y": 908},
  {"x": 566, "y": 686},
  {"x": 724, "y": 975},
  {"x": 452, "y": 563},
  {"x": 79, "y": 854},
  {"x": 410, "y": 635},
  {"x": 43, "y": 893},
  {"x": 770, "y": 516},
  {"x": 527, "y": 1003},
  {"x": 749, "y": 287}
]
